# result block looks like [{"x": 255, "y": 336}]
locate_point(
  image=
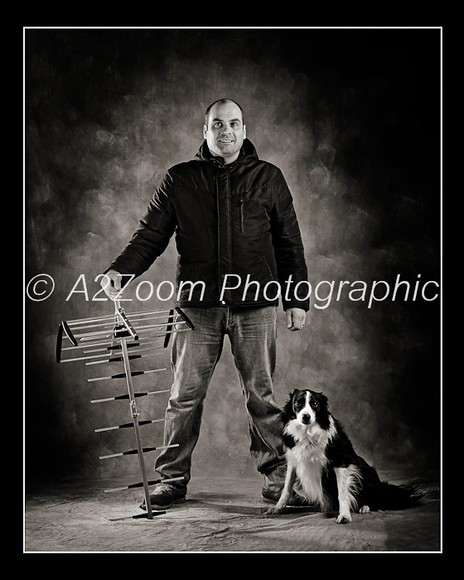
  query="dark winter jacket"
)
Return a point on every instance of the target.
[{"x": 235, "y": 228}]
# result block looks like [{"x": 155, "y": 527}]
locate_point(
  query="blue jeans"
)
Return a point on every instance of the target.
[{"x": 252, "y": 334}]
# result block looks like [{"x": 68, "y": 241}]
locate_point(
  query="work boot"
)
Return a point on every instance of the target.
[
  {"x": 164, "y": 496},
  {"x": 274, "y": 482}
]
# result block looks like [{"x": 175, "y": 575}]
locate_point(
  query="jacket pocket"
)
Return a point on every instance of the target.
[
  {"x": 266, "y": 270},
  {"x": 250, "y": 216}
]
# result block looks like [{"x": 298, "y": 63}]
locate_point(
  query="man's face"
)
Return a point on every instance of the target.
[{"x": 225, "y": 131}]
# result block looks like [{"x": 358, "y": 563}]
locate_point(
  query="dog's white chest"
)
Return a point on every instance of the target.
[
  {"x": 311, "y": 442},
  {"x": 312, "y": 452},
  {"x": 311, "y": 437},
  {"x": 308, "y": 459}
]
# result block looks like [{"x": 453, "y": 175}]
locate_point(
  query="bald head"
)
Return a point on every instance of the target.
[{"x": 221, "y": 102}]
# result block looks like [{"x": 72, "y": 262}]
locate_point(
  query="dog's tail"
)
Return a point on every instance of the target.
[{"x": 388, "y": 496}]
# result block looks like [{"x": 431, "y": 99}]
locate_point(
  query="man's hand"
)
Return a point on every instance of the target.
[
  {"x": 111, "y": 284},
  {"x": 295, "y": 318}
]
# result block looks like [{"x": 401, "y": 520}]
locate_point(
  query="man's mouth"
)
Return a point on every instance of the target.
[{"x": 226, "y": 141}]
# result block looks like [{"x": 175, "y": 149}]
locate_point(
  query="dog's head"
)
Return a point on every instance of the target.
[{"x": 307, "y": 407}]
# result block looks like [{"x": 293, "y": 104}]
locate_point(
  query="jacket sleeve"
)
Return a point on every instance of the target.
[
  {"x": 153, "y": 234},
  {"x": 288, "y": 248}
]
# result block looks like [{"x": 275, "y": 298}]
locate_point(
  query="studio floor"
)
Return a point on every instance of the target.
[{"x": 220, "y": 515}]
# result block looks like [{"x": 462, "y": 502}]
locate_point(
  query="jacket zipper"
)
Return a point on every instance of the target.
[
  {"x": 226, "y": 218},
  {"x": 240, "y": 206},
  {"x": 219, "y": 274}
]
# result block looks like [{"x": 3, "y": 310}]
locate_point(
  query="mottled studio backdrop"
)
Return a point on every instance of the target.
[{"x": 352, "y": 117}]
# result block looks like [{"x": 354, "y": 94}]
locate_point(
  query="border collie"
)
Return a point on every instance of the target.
[{"x": 322, "y": 463}]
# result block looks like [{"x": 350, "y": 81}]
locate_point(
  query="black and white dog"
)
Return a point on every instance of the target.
[{"x": 322, "y": 463}]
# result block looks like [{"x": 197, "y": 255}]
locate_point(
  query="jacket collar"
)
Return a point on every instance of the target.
[{"x": 247, "y": 153}]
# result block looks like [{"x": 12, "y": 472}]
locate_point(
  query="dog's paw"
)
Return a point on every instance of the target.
[
  {"x": 343, "y": 518},
  {"x": 365, "y": 509},
  {"x": 273, "y": 511}
]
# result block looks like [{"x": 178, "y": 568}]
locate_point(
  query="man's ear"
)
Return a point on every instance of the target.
[
  {"x": 244, "y": 131},
  {"x": 205, "y": 129}
]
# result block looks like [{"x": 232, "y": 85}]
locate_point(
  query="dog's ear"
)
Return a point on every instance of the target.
[
  {"x": 323, "y": 400},
  {"x": 323, "y": 413},
  {"x": 288, "y": 413}
]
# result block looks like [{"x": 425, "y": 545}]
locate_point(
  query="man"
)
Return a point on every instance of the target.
[{"x": 237, "y": 236}]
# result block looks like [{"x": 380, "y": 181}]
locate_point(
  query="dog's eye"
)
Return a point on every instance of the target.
[{"x": 314, "y": 404}]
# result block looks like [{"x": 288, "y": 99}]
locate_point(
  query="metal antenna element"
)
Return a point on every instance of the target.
[{"x": 117, "y": 338}]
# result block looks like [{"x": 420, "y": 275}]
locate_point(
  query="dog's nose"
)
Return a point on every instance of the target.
[{"x": 306, "y": 419}]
